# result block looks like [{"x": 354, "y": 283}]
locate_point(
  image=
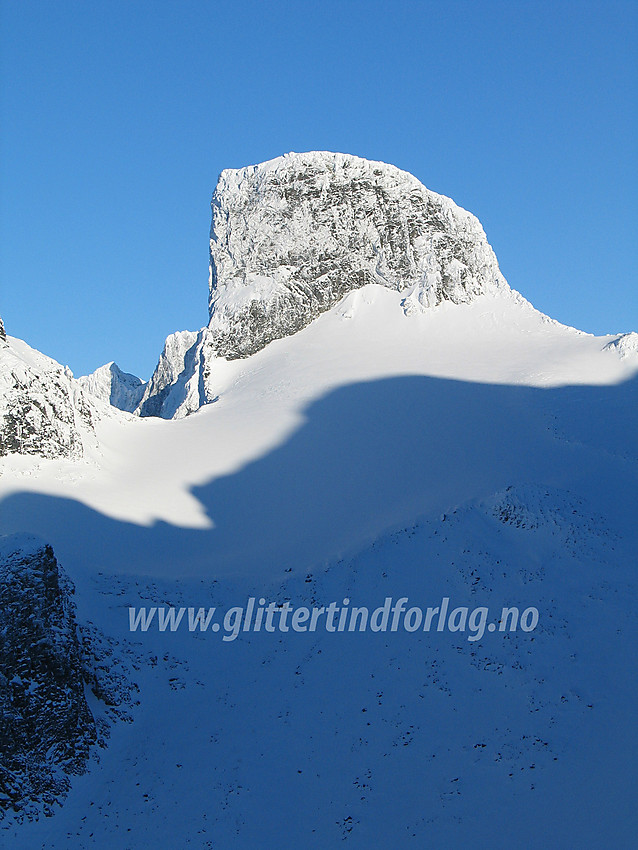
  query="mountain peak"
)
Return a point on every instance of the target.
[
  {"x": 110, "y": 384},
  {"x": 291, "y": 236}
]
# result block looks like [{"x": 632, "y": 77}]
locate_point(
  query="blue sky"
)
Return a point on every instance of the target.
[{"x": 118, "y": 116}]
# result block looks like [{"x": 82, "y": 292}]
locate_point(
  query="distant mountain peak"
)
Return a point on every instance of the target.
[
  {"x": 626, "y": 345},
  {"x": 110, "y": 384}
]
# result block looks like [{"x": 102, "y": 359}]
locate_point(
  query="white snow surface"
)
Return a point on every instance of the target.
[
  {"x": 149, "y": 469},
  {"x": 479, "y": 451}
]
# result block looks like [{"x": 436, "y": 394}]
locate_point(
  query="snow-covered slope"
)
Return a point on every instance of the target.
[
  {"x": 151, "y": 469},
  {"x": 477, "y": 451},
  {"x": 111, "y": 385}
]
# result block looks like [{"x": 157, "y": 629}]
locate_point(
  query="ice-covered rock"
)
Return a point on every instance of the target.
[
  {"x": 113, "y": 386},
  {"x": 291, "y": 237},
  {"x": 43, "y": 410}
]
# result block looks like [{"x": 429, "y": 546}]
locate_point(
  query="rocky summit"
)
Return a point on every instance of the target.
[{"x": 290, "y": 237}]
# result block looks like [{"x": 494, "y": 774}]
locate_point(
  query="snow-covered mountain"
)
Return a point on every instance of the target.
[
  {"x": 290, "y": 237},
  {"x": 115, "y": 387},
  {"x": 408, "y": 439}
]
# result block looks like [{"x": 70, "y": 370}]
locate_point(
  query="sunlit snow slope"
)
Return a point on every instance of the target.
[
  {"x": 367, "y": 418},
  {"x": 478, "y": 451}
]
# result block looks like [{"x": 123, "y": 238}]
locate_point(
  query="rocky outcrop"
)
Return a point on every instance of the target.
[
  {"x": 46, "y": 727},
  {"x": 43, "y": 410},
  {"x": 625, "y": 345},
  {"x": 48, "y": 665},
  {"x": 115, "y": 387},
  {"x": 290, "y": 237},
  {"x": 176, "y": 387},
  {"x": 3, "y": 335}
]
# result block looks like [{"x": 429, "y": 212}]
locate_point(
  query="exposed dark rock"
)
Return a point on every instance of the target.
[
  {"x": 46, "y": 727},
  {"x": 47, "y": 730}
]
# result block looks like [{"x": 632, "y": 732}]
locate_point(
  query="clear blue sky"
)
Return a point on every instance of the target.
[{"x": 118, "y": 116}]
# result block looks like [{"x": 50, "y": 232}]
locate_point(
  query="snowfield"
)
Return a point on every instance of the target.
[
  {"x": 478, "y": 451},
  {"x": 370, "y": 416}
]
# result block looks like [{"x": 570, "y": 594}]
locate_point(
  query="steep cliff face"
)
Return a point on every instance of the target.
[
  {"x": 43, "y": 410},
  {"x": 290, "y": 237},
  {"x": 175, "y": 388}
]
